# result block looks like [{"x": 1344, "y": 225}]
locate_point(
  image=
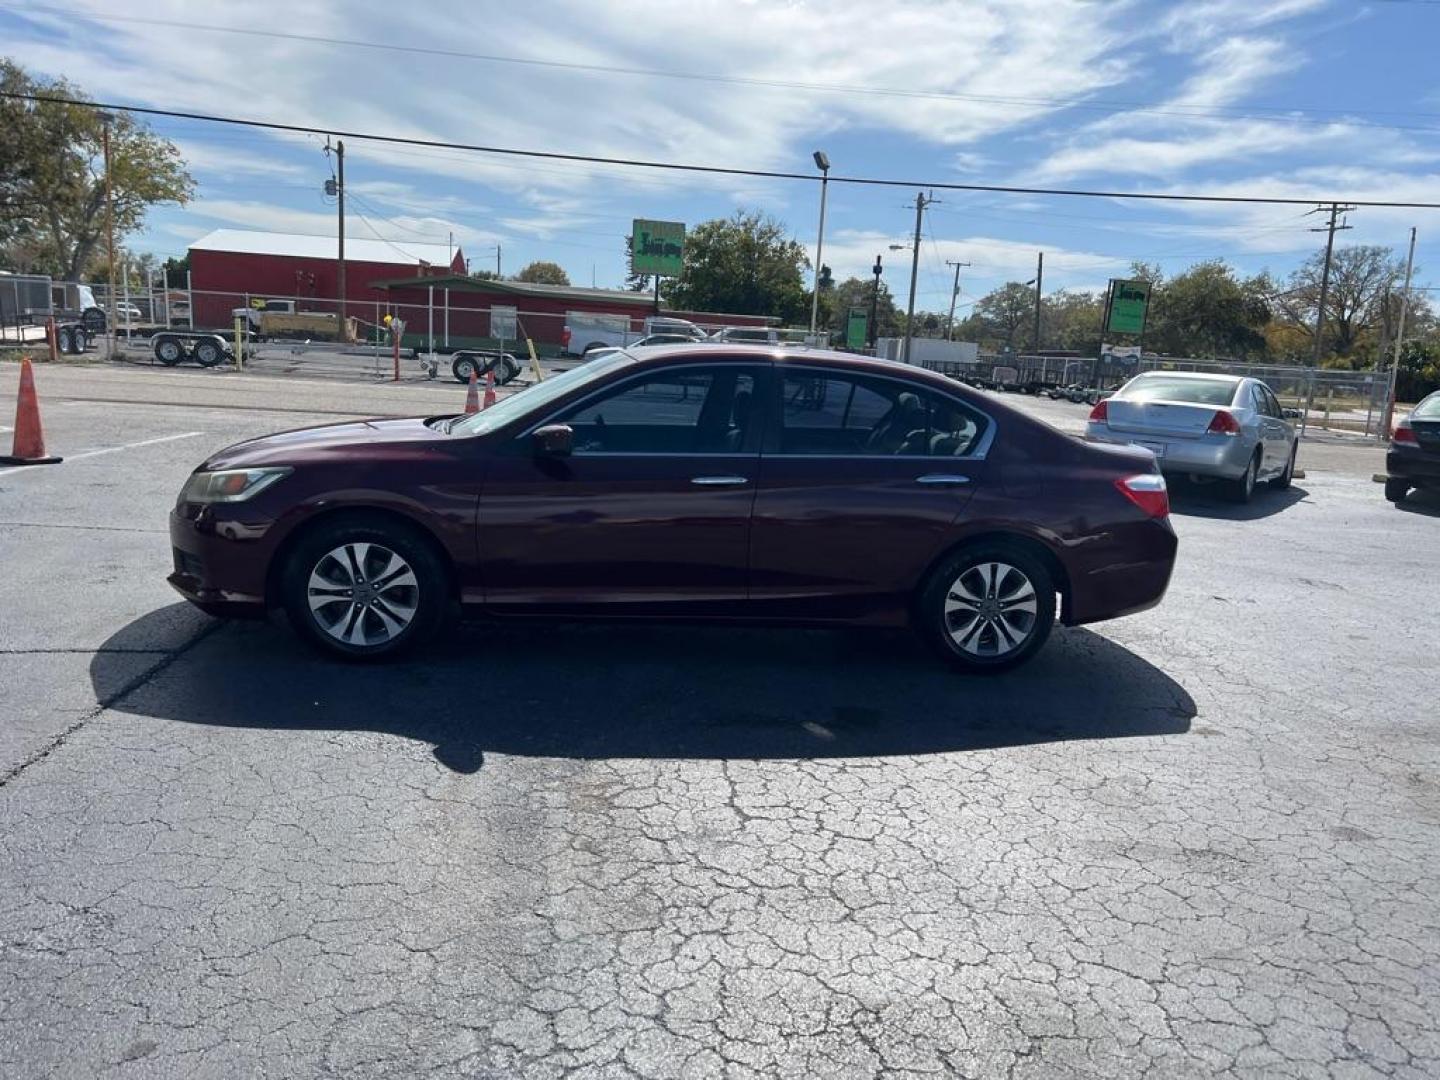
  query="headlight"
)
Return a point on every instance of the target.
[{"x": 230, "y": 485}]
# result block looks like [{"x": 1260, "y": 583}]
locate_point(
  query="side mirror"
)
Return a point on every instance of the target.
[{"x": 553, "y": 440}]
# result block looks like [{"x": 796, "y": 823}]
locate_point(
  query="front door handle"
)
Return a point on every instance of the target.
[
  {"x": 718, "y": 481},
  {"x": 943, "y": 479}
]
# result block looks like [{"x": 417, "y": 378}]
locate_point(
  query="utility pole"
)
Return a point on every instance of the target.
[
  {"x": 950, "y": 324},
  {"x": 497, "y": 262},
  {"x": 1332, "y": 228},
  {"x": 339, "y": 192},
  {"x": 107, "y": 119},
  {"x": 920, "y": 203},
  {"x": 1039, "y": 288},
  {"x": 1399, "y": 339},
  {"x": 875, "y": 303}
]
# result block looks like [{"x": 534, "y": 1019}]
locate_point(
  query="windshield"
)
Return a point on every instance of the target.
[
  {"x": 1170, "y": 388},
  {"x": 1429, "y": 409},
  {"x": 537, "y": 396}
]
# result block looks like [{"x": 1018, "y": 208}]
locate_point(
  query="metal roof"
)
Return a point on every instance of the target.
[
  {"x": 302, "y": 246},
  {"x": 462, "y": 283}
]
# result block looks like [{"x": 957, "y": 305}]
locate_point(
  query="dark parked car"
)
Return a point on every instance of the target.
[
  {"x": 1413, "y": 460},
  {"x": 698, "y": 482}
]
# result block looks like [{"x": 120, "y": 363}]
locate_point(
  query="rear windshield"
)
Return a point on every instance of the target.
[
  {"x": 1168, "y": 388},
  {"x": 1429, "y": 409}
]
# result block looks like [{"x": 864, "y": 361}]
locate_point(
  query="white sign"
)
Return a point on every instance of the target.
[{"x": 502, "y": 322}]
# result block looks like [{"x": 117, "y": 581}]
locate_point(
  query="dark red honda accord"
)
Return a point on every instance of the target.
[{"x": 701, "y": 481}]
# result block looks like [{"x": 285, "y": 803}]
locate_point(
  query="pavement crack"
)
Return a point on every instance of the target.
[{"x": 106, "y": 702}]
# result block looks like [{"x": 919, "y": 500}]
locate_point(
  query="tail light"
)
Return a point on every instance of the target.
[
  {"x": 1404, "y": 435},
  {"x": 1100, "y": 414},
  {"x": 1148, "y": 492},
  {"x": 565, "y": 338},
  {"x": 1223, "y": 424}
]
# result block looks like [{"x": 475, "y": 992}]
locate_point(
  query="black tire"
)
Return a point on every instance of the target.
[
  {"x": 334, "y": 627},
  {"x": 1396, "y": 490},
  {"x": 461, "y": 366},
  {"x": 93, "y": 320},
  {"x": 79, "y": 340},
  {"x": 65, "y": 340},
  {"x": 208, "y": 352},
  {"x": 169, "y": 350},
  {"x": 1241, "y": 491},
  {"x": 506, "y": 370},
  {"x": 972, "y": 646},
  {"x": 1281, "y": 482}
]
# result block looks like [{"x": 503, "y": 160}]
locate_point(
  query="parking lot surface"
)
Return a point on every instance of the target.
[{"x": 1204, "y": 840}]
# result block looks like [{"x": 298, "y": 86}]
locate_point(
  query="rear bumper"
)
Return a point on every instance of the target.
[
  {"x": 220, "y": 565},
  {"x": 1415, "y": 466},
  {"x": 1125, "y": 571},
  {"x": 1222, "y": 456}
]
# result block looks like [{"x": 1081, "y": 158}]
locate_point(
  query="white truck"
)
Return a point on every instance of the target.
[{"x": 586, "y": 330}]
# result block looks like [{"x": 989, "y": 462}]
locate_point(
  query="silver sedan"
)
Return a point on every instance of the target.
[{"x": 1214, "y": 427}]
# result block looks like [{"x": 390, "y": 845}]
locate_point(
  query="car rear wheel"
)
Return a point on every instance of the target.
[
  {"x": 1396, "y": 490},
  {"x": 364, "y": 590},
  {"x": 988, "y": 608},
  {"x": 1243, "y": 489},
  {"x": 1281, "y": 482}
]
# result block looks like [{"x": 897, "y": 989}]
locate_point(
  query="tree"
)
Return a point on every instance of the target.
[
  {"x": 836, "y": 304},
  {"x": 1002, "y": 313},
  {"x": 176, "y": 269},
  {"x": 544, "y": 273},
  {"x": 52, "y": 174},
  {"x": 744, "y": 264},
  {"x": 1207, "y": 312},
  {"x": 1071, "y": 320},
  {"x": 1360, "y": 275}
]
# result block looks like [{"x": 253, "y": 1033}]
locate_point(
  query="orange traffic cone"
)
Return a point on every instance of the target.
[
  {"x": 472, "y": 397},
  {"x": 489, "y": 388},
  {"x": 29, "y": 446}
]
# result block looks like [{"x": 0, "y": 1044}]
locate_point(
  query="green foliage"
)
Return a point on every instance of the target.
[
  {"x": 745, "y": 265},
  {"x": 1003, "y": 318},
  {"x": 544, "y": 273},
  {"x": 855, "y": 292},
  {"x": 1206, "y": 312},
  {"x": 52, "y": 177}
]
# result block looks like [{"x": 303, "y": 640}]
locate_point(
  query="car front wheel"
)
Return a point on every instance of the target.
[
  {"x": 364, "y": 590},
  {"x": 988, "y": 608}
]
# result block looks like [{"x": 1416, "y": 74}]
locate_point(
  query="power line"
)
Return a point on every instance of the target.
[
  {"x": 719, "y": 170},
  {"x": 1255, "y": 112}
]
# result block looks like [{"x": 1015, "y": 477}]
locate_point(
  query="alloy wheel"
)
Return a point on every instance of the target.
[
  {"x": 990, "y": 609},
  {"x": 363, "y": 594}
]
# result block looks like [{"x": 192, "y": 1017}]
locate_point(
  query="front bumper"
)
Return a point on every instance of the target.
[
  {"x": 1223, "y": 456},
  {"x": 221, "y": 562}
]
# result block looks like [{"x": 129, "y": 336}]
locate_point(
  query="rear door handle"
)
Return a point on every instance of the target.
[
  {"x": 718, "y": 481},
  {"x": 943, "y": 479}
]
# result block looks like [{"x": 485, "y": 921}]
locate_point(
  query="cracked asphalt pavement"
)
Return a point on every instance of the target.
[{"x": 1200, "y": 841}]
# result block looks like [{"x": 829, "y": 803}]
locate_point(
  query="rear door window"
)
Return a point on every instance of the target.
[{"x": 862, "y": 416}]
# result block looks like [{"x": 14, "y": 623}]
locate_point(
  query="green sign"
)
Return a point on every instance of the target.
[
  {"x": 657, "y": 247},
  {"x": 1128, "y": 302},
  {"x": 855, "y": 329}
]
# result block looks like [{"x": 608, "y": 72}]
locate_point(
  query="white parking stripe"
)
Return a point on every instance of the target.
[{"x": 106, "y": 450}]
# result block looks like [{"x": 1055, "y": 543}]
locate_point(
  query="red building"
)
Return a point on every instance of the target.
[
  {"x": 229, "y": 267},
  {"x": 466, "y": 312}
]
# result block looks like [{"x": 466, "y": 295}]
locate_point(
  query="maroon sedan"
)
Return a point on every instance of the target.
[{"x": 697, "y": 482}]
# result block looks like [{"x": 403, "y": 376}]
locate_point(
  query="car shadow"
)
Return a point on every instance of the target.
[
  {"x": 1189, "y": 499},
  {"x": 658, "y": 691},
  {"x": 1425, "y": 503}
]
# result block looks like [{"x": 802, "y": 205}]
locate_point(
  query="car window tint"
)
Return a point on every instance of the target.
[
  {"x": 676, "y": 412},
  {"x": 1272, "y": 403},
  {"x": 1218, "y": 392},
  {"x": 1257, "y": 400},
  {"x": 858, "y": 415}
]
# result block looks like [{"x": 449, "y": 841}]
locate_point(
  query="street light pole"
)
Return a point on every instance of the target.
[
  {"x": 822, "y": 162},
  {"x": 1389, "y": 417},
  {"x": 875, "y": 304}
]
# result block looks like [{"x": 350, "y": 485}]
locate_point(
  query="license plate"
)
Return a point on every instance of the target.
[{"x": 1156, "y": 448}]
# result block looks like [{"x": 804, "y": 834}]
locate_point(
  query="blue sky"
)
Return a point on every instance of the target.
[{"x": 1324, "y": 98}]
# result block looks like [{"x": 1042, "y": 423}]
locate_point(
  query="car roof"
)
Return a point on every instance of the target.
[
  {"x": 739, "y": 352},
  {"x": 1195, "y": 375}
]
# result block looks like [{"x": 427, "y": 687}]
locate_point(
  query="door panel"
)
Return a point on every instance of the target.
[
  {"x": 846, "y": 534},
  {"x": 616, "y": 524}
]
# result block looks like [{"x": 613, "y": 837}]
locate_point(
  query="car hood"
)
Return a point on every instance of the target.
[{"x": 350, "y": 441}]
